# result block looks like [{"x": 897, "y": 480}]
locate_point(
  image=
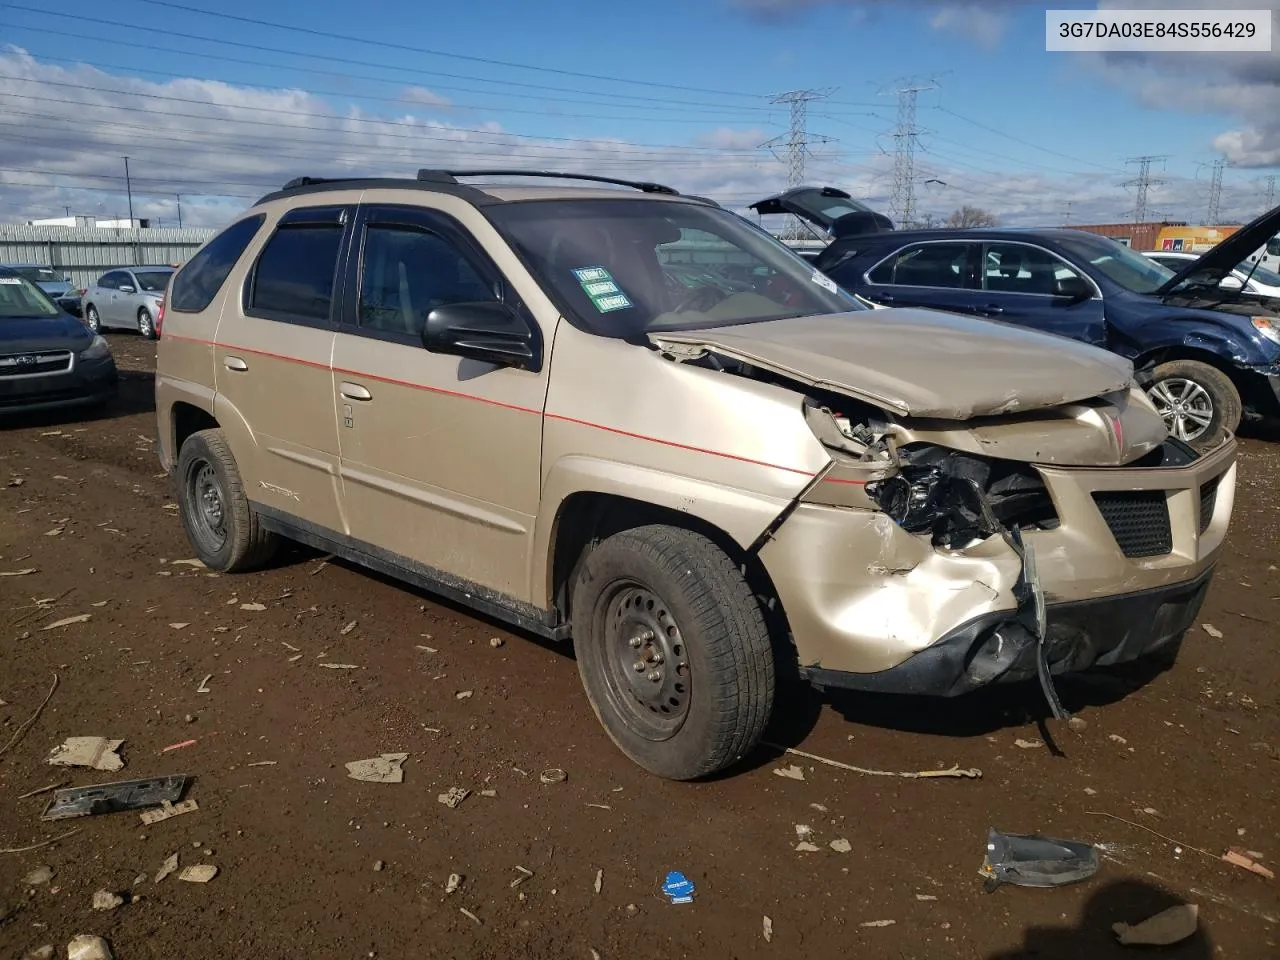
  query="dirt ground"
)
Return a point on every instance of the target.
[{"x": 314, "y": 864}]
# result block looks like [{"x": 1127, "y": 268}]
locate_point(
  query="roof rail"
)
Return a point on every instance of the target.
[{"x": 451, "y": 176}]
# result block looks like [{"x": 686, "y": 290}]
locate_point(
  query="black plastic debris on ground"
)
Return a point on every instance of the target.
[
  {"x": 114, "y": 797},
  {"x": 1034, "y": 861}
]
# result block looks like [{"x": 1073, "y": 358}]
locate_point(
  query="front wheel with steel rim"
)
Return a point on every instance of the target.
[
  {"x": 216, "y": 514},
  {"x": 146, "y": 325},
  {"x": 92, "y": 320},
  {"x": 1198, "y": 402},
  {"x": 673, "y": 651}
]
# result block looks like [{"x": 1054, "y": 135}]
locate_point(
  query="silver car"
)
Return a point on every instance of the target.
[{"x": 129, "y": 297}]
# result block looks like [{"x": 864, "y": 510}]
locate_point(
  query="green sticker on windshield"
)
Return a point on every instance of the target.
[{"x": 598, "y": 284}]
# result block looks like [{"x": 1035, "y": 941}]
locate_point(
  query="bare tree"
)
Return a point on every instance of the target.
[{"x": 968, "y": 216}]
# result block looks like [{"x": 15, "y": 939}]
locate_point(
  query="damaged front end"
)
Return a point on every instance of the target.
[{"x": 911, "y": 566}]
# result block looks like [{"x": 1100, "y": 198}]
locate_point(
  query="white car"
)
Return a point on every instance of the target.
[{"x": 1253, "y": 279}]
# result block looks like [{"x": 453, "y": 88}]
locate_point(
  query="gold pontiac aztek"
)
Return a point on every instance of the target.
[{"x": 619, "y": 416}]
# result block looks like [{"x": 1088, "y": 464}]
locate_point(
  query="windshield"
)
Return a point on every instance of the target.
[
  {"x": 20, "y": 298},
  {"x": 154, "y": 281},
  {"x": 40, "y": 275},
  {"x": 1118, "y": 263},
  {"x": 623, "y": 268},
  {"x": 1259, "y": 274}
]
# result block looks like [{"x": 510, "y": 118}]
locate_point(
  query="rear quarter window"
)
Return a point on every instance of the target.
[{"x": 200, "y": 279}]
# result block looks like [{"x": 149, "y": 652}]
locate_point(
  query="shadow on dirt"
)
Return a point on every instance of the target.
[{"x": 1122, "y": 901}]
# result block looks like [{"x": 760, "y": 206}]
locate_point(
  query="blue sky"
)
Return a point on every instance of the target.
[{"x": 1007, "y": 123}]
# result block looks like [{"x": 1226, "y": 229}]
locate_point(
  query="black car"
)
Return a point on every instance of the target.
[
  {"x": 48, "y": 358},
  {"x": 1207, "y": 356}
]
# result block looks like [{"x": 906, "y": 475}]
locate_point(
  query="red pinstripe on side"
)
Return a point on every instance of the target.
[{"x": 499, "y": 403}]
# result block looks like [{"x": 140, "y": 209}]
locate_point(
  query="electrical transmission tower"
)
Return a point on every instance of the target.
[
  {"x": 797, "y": 141},
  {"x": 1066, "y": 214},
  {"x": 1271, "y": 190},
  {"x": 1215, "y": 190},
  {"x": 902, "y": 204},
  {"x": 1143, "y": 184}
]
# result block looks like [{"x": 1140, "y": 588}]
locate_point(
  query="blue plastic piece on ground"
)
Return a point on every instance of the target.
[{"x": 678, "y": 887}]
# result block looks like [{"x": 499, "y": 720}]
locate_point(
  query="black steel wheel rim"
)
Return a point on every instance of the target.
[
  {"x": 646, "y": 662},
  {"x": 206, "y": 506}
]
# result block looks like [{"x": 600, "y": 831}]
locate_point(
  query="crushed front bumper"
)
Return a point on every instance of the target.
[
  {"x": 1123, "y": 573},
  {"x": 997, "y": 648}
]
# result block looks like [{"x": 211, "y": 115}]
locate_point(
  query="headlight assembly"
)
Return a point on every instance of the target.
[{"x": 98, "y": 349}]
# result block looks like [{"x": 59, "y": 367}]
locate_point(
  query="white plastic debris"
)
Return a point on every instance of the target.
[
  {"x": 387, "y": 768},
  {"x": 167, "y": 810},
  {"x": 106, "y": 900},
  {"x": 255, "y": 607},
  {"x": 806, "y": 847},
  {"x": 768, "y": 930},
  {"x": 1167, "y": 927},
  {"x": 96, "y": 752},
  {"x": 170, "y": 866},
  {"x": 453, "y": 883},
  {"x": 85, "y": 947},
  {"x": 454, "y": 797},
  {"x": 1212, "y": 631},
  {"x": 840, "y": 846},
  {"x": 80, "y": 618},
  {"x": 792, "y": 772},
  {"x": 495, "y": 642},
  {"x": 200, "y": 873}
]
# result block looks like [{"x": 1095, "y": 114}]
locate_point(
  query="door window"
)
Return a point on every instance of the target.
[
  {"x": 406, "y": 273},
  {"x": 926, "y": 265},
  {"x": 1020, "y": 268},
  {"x": 294, "y": 277}
]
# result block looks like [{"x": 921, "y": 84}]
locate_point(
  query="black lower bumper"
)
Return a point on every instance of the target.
[
  {"x": 89, "y": 384},
  {"x": 998, "y": 649}
]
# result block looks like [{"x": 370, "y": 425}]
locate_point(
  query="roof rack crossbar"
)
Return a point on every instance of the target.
[{"x": 644, "y": 185}]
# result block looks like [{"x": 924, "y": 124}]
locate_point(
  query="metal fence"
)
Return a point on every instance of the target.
[{"x": 84, "y": 253}]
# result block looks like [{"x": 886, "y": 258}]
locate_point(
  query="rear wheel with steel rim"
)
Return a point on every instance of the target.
[
  {"x": 1198, "y": 402},
  {"x": 146, "y": 325},
  {"x": 673, "y": 651},
  {"x": 216, "y": 514},
  {"x": 92, "y": 319}
]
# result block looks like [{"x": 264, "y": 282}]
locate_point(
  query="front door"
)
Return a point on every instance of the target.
[
  {"x": 272, "y": 364},
  {"x": 441, "y": 456},
  {"x": 1033, "y": 287},
  {"x": 110, "y": 311}
]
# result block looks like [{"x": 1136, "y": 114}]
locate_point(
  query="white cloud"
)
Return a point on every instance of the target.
[
  {"x": 728, "y": 138},
  {"x": 971, "y": 21},
  {"x": 424, "y": 97}
]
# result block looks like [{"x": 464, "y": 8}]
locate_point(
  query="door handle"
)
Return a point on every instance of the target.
[
  {"x": 235, "y": 363},
  {"x": 353, "y": 391},
  {"x": 992, "y": 309}
]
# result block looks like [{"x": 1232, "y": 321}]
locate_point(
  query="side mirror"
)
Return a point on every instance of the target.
[
  {"x": 125, "y": 288},
  {"x": 1074, "y": 289},
  {"x": 485, "y": 330},
  {"x": 1231, "y": 282}
]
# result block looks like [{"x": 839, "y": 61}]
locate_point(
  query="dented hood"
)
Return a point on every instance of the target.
[{"x": 920, "y": 363}]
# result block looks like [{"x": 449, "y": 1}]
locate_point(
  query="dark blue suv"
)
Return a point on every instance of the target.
[{"x": 1207, "y": 356}]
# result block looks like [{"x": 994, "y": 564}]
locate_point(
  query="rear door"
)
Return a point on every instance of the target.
[
  {"x": 272, "y": 364},
  {"x": 1029, "y": 285},
  {"x": 938, "y": 274}
]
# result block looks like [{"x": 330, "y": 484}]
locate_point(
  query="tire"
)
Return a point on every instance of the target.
[
  {"x": 1210, "y": 402},
  {"x": 216, "y": 514},
  {"x": 146, "y": 325},
  {"x": 91, "y": 318},
  {"x": 700, "y": 631}
]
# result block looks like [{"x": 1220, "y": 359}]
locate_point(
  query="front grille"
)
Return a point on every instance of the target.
[
  {"x": 1208, "y": 499},
  {"x": 1139, "y": 520},
  {"x": 25, "y": 364}
]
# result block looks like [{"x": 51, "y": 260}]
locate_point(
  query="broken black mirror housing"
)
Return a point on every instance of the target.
[
  {"x": 945, "y": 500},
  {"x": 489, "y": 331},
  {"x": 1035, "y": 861},
  {"x": 909, "y": 497}
]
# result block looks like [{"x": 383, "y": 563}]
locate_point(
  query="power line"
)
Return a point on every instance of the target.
[
  {"x": 797, "y": 142},
  {"x": 384, "y": 44},
  {"x": 1026, "y": 143},
  {"x": 1143, "y": 183}
]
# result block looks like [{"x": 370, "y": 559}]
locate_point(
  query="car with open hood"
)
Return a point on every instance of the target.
[
  {"x": 48, "y": 359},
  {"x": 1206, "y": 354},
  {"x": 630, "y": 420}
]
